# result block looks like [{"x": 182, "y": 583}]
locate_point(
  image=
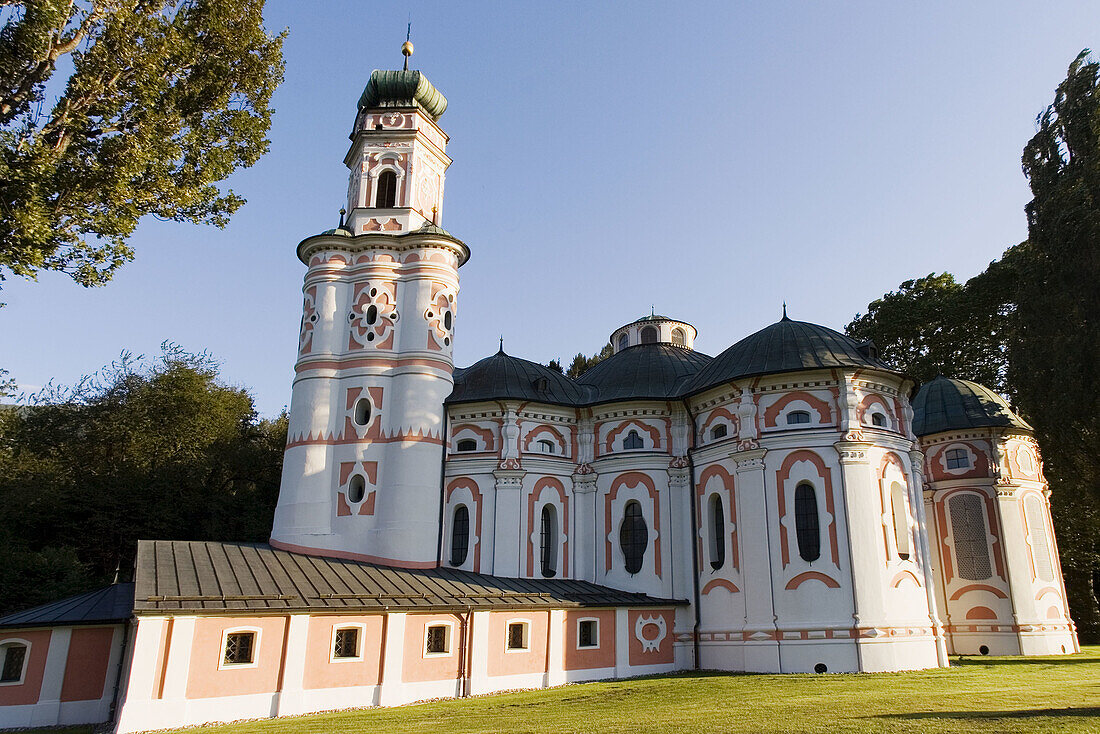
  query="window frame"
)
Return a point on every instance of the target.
[
  {"x": 548, "y": 546},
  {"x": 7, "y": 643},
  {"x": 879, "y": 420},
  {"x": 596, "y": 636},
  {"x": 800, "y": 414},
  {"x": 633, "y": 434},
  {"x": 633, "y": 541},
  {"x": 362, "y": 407},
  {"x": 378, "y": 191},
  {"x": 526, "y": 636},
  {"x": 448, "y": 637},
  {"x": 799, "y": 531},
  {"x": 957, "y": 454},
  {"x": 360, "y": 643},
  {"x": 715, "y": 436},
  {"x": 647, "y": 332},
  {"x": 899, "y": 515},
  {"x": 716, "y": 510},
  {"x": 546, "y": 446},
  {"x": 256, "y": 632}
]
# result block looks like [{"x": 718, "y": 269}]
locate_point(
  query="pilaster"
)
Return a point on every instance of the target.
[
  {"x": 508, "y": 543},
  {"x": 754, "y": 526},
  {"x": 584, "y": 537}
]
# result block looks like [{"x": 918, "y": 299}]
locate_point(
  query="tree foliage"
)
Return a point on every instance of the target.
[
  {"x": 582, "y": 364},
  {"x": 161, "y": 450},
  {"x": 163, "y": 100}
]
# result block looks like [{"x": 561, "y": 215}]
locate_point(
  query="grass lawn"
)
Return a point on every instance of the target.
[{"x": 1010, "y": 694}]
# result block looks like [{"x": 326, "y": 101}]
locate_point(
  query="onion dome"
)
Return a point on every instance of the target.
[
  {"x": 503, "y": 377},
  {"x": 786, "y": 346},
  {"x": 647, "y": 371},
  {"x": 654, "y": 329},
  {"x": 946, "y": 404},
  {"x": 402, "y": 89}
]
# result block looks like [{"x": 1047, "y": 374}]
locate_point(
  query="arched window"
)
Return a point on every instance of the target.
[
  {"x": 717, "y": 533},
  {"x": 678, "y": 337},
  {"x": 362, "y": 410},
  {"x": 546, "y": 446},
  {"x": 806, "y": 523},
  {"x": 718, "y": 432},
  {"x": 899, "y": 504},
  {"x": 878, "y": 420},
  {"x": 387, "y": 190},
  {"x": 633, "y": 441},
  {"x": 13, "y": 663},
  {"x": 797, "y": 416},
  {"x": 633, "y": 537},
  {"x": 549, "y": 541},
  {"x": 957, "y": 459},
  {"x": 357, "y": 488},
  {"x": 624, "y": 341},
  {"x": 649, "y": 335},
  {"x": 968, "y": 537},
  {"x": 460, "y": 535},
  {"x": 466, "y": 444}
]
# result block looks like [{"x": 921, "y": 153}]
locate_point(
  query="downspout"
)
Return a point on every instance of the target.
[
  {"x": 694, "y": 537},
  {"x": 465, "y": 654},
  {"x": 128, "y": 630},
  {"x": 442, "y": 491}
]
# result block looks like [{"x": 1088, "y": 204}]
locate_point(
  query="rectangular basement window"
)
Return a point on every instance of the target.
[
  {"x": 345, "y": 643},
  {"x": 518, "y": 636},
  {"x": 588, "y": 633},
  {"x": 239, "y": 648},
  {"x": 438, "y": 640}
]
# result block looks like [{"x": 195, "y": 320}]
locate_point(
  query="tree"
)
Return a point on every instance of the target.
[
  {"x": 936, "y": 325},
  {"x": 163, "y": 100},
  {"x": 160, "y": 450},
  {"x": 1054, "y": 355},
  {"x": 582, "y": 364}
]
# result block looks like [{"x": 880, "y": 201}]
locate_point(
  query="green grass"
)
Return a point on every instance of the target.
[{"x": 1009, "y": 694}]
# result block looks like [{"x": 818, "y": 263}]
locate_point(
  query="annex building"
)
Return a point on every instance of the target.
[{"x": 789, "y": 505}]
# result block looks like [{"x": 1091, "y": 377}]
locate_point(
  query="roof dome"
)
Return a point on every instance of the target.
[
  {"x": 503, "y": 376},
  {"x": 643, "y": 371},
  {"x": 403, "y": 89},
  {"x": 946, "y": 404},
  {"x": 785, "y": 346}
]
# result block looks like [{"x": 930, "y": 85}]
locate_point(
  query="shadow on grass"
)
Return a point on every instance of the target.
[
  {"x": 1087, "y": 711},
  {"x": 1067, "y": 660}
]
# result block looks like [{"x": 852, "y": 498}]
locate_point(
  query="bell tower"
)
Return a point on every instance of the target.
[{"x": 361, "y": 472}]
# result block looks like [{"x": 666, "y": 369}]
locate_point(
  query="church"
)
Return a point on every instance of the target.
[{"x": 791, "y": 505}]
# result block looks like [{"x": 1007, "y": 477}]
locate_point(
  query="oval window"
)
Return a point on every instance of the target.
[
  {"x": 357, "y": 488},
  {"x": 806, "y": 522},
  {"x": 362, "y": 412},
  {"x": 372, "y": 314},
  {"x": 633, "y": 537},
  {"x": 447, "y": 321},
  {"x": 460, "y": 535}
]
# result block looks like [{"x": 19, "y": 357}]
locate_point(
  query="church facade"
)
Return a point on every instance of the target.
[{"x": 784, "y": 506}]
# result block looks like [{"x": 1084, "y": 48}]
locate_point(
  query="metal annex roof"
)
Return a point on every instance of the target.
[
  {"x": 946, "y": 404},
  {"x": 111, "y": 604},
  {"x": 197, "y": 576}
]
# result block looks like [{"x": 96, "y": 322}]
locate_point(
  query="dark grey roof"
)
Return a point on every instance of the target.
[
  {"x": 945, "y": 404},
  {"x": 177, "y": 575},
  {"x": 657, "y": 371},
  {"x": 785, "y": 346},
  {"x": 503, "y": 376},
  {"x": 408, "y": 88},
  {"x": 114, "y": 603},
  {"x": 426, "y": 228}
]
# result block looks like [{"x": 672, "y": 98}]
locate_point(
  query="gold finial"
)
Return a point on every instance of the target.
[{"x": 407, "y": 47}]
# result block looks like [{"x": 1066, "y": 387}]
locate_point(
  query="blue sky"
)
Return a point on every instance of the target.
[{"x": 709, "y": 159}]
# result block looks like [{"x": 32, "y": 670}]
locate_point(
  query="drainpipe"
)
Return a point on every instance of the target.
[
  {"x": 128, "y": 630},
  {"x": 694, "y": 536},
  {"x": 442, "y": 492},
  {"x": 465, "y": 653}
]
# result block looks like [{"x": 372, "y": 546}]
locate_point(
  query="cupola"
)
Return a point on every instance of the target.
[{"x": 654, "y": 329}]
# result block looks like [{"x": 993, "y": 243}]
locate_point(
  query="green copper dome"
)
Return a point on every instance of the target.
[{"x": 403, "y": 89}]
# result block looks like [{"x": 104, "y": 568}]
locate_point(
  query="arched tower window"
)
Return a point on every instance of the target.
[
  {"x": 549, "y": 541},
  {"x": 718, "y": 431},
  {"x": 899, "y": 504},
  {"x": 796, "y": 417},
  {"x": 968, "y": 537},
  {"x": 678, "y": 337},
  {"x": 649, "y": 335},
  {"x": 878, "y": 420},
  {"x": 624, "y": 341},
  {"x": 806, "y": 523},
  {"x": 633, "y": 441},
  {"x": 717, "y": 533},
  {"x": 387, "y": 190},
  {"x": 460, "y": 535},
  {"x": 633, "y": 537}
]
